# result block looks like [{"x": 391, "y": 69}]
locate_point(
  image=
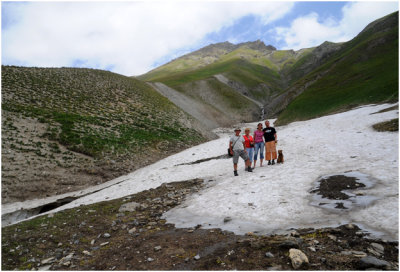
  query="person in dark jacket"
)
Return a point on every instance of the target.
[{"x": 270, "y": 143}]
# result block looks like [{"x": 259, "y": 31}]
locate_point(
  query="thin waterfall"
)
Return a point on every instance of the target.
[{"x": 262, "y": 113}]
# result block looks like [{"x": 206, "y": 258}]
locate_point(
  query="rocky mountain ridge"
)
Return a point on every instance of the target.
[{"x": 275, "y": 78}]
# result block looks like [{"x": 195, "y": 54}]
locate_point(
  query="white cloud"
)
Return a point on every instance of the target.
[
  {"x": 128, "y": 36},
  {"x": 311, "y": 30}
]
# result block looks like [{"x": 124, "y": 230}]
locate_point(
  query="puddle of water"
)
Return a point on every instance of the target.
[{"x": 331, "y": 192}]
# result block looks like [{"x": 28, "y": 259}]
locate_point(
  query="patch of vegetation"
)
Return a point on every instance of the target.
[
  {"x": 364, "y": 71},
  {"x": 80, "y": 106},
  {"x": 392, "y": 125},
  {"x": 88, "y": 112}
]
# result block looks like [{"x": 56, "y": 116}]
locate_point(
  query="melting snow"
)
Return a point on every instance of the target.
[{"x": 275, "y": 198}]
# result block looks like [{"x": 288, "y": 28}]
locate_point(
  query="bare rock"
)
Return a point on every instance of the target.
[
  {"x": 372, "y": 262},
  {"x": 157, "y": 248},
  {"x": 132, "y": 230},
  {"x": 269, "y": 255},
  {"x": 332, "y": 237},
  {"x": 298, "y": 258},
  {"x": 378, "y": 248},
  {"x": 48, "y": 261},
  {"x": 129, "y": 207}
]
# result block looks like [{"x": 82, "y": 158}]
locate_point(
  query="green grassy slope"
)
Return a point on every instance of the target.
[
  {"x": 257, "y": 70},
  {"x": 91, "y": 111},
  {"x": 248, "y": 74},
  {"x": 78, "y": 120},
  {"x": 243, "y": 71},
  {"x": 364, "y": 71}
]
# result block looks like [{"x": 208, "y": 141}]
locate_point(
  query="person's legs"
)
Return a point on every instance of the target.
[
  {"x": 250, "y": 152},
  {"x": 268, "y": 153},
  {"x": 246, "y": 159},
  {"x": 261, "y": 153},
  {"x": 274, "y": 155},
  {"x": 257, "y": 146},
  {"x": 235, "y": 162}
]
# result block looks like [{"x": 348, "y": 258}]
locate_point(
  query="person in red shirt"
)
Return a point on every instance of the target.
[{"x": 249, "y": 144}]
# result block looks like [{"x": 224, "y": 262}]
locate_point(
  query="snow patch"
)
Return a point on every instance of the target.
[{"x": 275, "y": 198}]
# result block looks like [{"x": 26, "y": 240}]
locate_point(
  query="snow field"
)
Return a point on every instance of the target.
[{"x": 275, "y": 198}]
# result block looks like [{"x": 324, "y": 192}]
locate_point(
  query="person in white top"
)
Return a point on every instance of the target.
[{"x": 237, "y": 148}]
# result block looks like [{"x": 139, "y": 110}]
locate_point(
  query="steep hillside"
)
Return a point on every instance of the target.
[
  {"x": 313, "y": 81},
  {"x": 65, "y": 129},
  {"x": 365, "y": 70},
  {"x": 258, "y": 73},
  {"x": 244, "y": 76},
  {"x": 253, "y": 68}
]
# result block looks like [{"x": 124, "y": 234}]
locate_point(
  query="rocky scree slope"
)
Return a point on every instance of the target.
[{"x": 65, "y": 129}]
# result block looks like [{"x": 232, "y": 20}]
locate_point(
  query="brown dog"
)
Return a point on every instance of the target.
[{"x": 280, "y": 157}]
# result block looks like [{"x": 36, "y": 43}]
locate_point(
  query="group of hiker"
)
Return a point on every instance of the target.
[{"x": 248, "y": 147}]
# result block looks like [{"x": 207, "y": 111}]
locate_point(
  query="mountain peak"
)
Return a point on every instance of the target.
[{"x": 257, "y": 45}]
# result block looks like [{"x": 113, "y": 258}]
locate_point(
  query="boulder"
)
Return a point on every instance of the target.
[
  {"x": 129, "y": 207},
  {"x": 298, "y": 258},
  {"x": 372, "y": 262}
]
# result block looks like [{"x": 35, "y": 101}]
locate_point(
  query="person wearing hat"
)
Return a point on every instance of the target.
[{"x": 237, "y": 148}]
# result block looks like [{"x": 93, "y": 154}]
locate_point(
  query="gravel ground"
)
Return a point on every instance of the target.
[{"x": 129, "y": 234}]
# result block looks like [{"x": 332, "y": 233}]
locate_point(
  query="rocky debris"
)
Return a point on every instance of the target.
[
  {"x": 66, "y": 261},
  {"x": 157, "y": 248},
  {"x": 341, "y": 183},
  {"x": 372, "y": 262},
  {"x": 355, "y": 253},
  {"x": 269, "y": 255},
  {"x": 298, "y": 258},
  {"x": 350, "y": 226},
  {"x": 85, "y": 252},
  {"x": 333, "y": 237},
  {"x": 376, "y": 249},
  {"x": 47, "y": 261},
  {"x": 139, "y": 234},
  {"x": 132, "y": 231},
  {"x": 129, "y": 207}
]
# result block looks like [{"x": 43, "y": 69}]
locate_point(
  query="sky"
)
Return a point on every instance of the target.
[{"x": 133, "y": 37}]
